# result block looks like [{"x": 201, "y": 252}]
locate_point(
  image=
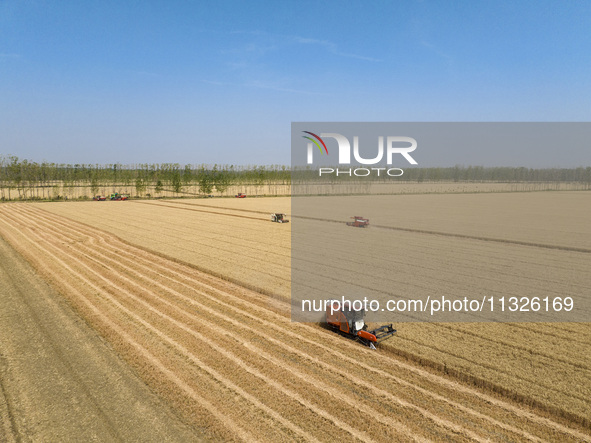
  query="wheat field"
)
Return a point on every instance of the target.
[{"x": 194, "y": 294}]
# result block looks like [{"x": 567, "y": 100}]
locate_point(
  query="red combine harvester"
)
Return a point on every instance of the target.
[
  {"x": 240, "y": 195},
  {"x": 351, "y": 323},
  {"x": 359, "y": 222},
  {"x": 99, "y": 198}
]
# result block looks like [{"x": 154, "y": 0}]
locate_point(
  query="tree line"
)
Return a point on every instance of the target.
[{"x": 25, "y": 179}]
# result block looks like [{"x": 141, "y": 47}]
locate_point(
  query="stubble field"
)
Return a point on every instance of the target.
[{"x": 145, "y": 275}]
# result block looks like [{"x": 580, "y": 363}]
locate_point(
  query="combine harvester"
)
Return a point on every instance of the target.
[
  {"x": 359, "y": 222},
  {"x": 118, "y": 197},
  {"x": 279, "y": 218},
  {"x": 99, "y": 198},
  {"x": 240, "y": 195},
  {"x": 351, "y": 323}
]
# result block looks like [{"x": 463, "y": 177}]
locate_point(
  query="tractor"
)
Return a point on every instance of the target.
[
  {"x": 240, "y": 195},
  {"x": 118, "y": 197},
  {"x": 342, "y": 318},
  {"x": 99, "y": 198},
  {"x": 278, "y": 218},
  {"x": 359, "y": 222}
]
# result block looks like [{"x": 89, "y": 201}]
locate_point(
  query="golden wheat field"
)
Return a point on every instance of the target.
[{"x": 194, "y": 295}]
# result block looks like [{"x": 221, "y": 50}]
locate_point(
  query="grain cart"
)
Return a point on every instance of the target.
[
  {"x": 278, "y": 218},
  {"x": 350, "y": 323},
  {"x": 359, "y": 222}
]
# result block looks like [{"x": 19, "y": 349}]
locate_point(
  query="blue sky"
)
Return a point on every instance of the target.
[{"x": 221, "y": 82}]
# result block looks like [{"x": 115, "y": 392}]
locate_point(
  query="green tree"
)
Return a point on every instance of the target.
[
  {"x": 177, "y": 184},
  {"x": 204, "y": 179},
  {"x": 221, "y": 178},
  {"x": 159, "y": 187},
  {"x": 94, "y": 185},
  {"x": 140, "y": 186}
]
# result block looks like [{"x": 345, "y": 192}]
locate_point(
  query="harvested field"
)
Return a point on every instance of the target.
[
  {"x": 224, "y": 242},
  {"x": 229, "y": 359},
  {"x": 533, "y": 363},
  {"x": 59, "y": 380}
]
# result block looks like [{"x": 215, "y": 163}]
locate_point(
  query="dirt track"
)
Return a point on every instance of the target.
[
  {"x": 59, "y": 381},
  {"x": 232, "y": 363}
]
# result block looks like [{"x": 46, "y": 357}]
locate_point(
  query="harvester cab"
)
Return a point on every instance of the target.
[
  {"x": 351, "y": 323},
  {"x": 278, "y": 218},
  {"x": 359, "y": 222}
]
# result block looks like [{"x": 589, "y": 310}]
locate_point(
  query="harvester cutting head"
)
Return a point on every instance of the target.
[{"x": 343, "y": 318}]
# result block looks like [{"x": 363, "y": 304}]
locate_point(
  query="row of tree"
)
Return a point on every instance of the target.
[{"x": 24, "y": 179}]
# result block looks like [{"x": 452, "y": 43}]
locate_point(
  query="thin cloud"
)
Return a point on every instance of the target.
[
  {"x": 332, "y": 48},
  {"x": 446, "y": 58},
  {"x": 263, "y": 85},
  {"x": 215, "y": 83},
  {"x": 437, "y": 51},
  {"x": 272, "y": 87},
  {"x": 282, "y": 39},
  {"x": 147, "y": 73}
]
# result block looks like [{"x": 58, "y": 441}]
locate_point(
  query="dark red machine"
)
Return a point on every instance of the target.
[
  {"x": 240, "y": 195},
  {"x": 359, "y": 222}
]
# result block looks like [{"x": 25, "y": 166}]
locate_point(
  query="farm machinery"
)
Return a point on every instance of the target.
[
  {"x": 99, "y": 198},
  {"x": 359, "y": 222},
  {"x": 350, "y": 323},
  {"x": 240, "y": 195},
  {"x": 279, "y": 218},
  {"x": 118, "y": 197}
]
